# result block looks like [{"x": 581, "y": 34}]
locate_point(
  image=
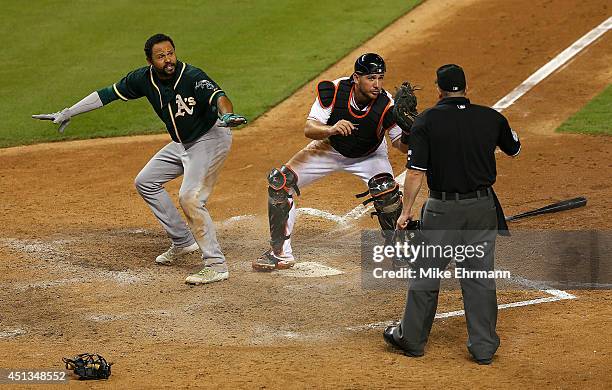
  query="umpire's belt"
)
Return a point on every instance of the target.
[{"x": 457, "y": 196}]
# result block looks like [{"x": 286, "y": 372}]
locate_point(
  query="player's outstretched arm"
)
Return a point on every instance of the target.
[{"x": 62, "y": 118}]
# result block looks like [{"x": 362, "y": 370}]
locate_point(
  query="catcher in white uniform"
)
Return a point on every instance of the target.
[{"x": 347, "y": 124}]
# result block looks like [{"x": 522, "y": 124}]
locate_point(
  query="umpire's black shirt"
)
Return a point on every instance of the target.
[{"x": 455, "y": 141}]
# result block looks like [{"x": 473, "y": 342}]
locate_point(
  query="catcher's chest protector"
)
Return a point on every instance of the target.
[{"x": 370, "y": 131}]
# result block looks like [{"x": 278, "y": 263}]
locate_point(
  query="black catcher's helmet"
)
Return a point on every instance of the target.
[{"x": 370, "y": 63}]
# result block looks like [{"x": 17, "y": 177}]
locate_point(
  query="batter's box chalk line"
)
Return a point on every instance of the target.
[
  {"x": 322, "y": 214},
  {"x": 555, "y": 295}
]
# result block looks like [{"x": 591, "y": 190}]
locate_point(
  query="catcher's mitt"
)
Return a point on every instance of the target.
[
  {"x": 89, "y": 366},
  {"x": 405, "y": 107}
]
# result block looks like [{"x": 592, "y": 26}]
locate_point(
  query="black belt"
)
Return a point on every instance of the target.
[{"x": 457, "y": 196}]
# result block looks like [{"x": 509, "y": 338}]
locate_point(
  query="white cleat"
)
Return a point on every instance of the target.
[
  {"x": 174, "y": 253},
  {"x": 207, "y": 275}
]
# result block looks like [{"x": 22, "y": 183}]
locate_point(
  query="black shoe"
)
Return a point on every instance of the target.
[
  {"x": 482, "y": 361},
  {"x": 388, "y": 336}
]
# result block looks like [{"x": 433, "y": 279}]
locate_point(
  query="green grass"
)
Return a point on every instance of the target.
[
  {"x": 594, "y": 118},
  {"x": 260, "y": 52}
]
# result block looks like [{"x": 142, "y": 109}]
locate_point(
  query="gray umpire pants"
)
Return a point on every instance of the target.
[
  {"x": 463, "y": 222},
  {"x": 200, "y": 163}
]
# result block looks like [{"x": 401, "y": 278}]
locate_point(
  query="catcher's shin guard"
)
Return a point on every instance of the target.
[
  {"x": 280, "y": 201},
  {"x": 387, "y": 198}
]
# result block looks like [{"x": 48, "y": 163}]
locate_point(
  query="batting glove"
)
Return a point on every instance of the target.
[
  {"x": 61, "y": 118},
  {"x": 232, "y": 120}
]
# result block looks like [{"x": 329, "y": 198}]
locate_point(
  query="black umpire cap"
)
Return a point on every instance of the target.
[
  {"x": 370, "y": 63},
  {"x": 450, "y": 78}
]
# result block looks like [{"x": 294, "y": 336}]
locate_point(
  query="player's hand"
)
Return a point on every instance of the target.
[
  {"x": 403, "y": 220},
  {"x": 232, "y": 120},
  {"x": 342, "y": 127},
  {"x": 62, "y": 118}
]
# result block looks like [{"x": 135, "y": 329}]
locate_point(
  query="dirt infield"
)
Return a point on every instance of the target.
[{"x": 77, "y": 243}]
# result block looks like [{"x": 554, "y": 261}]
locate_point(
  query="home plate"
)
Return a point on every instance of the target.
[{"x": 310, "y": 269}]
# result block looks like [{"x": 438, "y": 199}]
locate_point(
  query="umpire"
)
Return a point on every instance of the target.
[{"x": 453, "y": 143}]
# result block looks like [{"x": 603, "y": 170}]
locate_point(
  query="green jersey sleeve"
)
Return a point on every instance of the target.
[
  {"x": 206, "y": 90},
  {"x": 129, "y": 87}
]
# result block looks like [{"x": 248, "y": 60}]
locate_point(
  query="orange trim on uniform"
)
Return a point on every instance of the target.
[
  {"x": 333, "y": 103},
  {"x": 291, "y": 169},
  {"x": 386, "y": 192},
  {"x": 351, "y": 110},
  {"x": 381, "y": 131},
  {"x": 297, "y": 178},
  {"x": 319, "y": 96}
]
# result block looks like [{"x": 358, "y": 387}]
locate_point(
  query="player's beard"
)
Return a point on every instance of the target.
[
  {"x": 166, "y": 71},
  {"x": 369, "y": 95},
  {"x": 169, "y": 69},
  {"x": 373, "y": 95}
]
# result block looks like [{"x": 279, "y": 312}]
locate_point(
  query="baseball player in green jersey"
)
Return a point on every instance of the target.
[{"x": 198, "y": 115}]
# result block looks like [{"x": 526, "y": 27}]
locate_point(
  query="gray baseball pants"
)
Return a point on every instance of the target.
[
  {"x": 467, "y": 222},
  {"x": 200, "y": 163}
]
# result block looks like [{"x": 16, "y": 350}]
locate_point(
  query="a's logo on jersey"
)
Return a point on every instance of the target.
[
  {"x": 461, "y": 106},
  {"x": 184, "y": 106},
  {"x": 204, "y": 84}
]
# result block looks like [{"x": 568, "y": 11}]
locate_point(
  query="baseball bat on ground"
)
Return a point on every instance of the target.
[{"x": 552, "y": 208}]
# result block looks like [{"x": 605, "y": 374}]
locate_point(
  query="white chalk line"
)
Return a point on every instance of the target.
[
  {"x": 352, "y": 215},
  {"x": 321, "y": 214},
  {"x": 553, "y": 65},
  {"x": 557, "y": 295}
]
